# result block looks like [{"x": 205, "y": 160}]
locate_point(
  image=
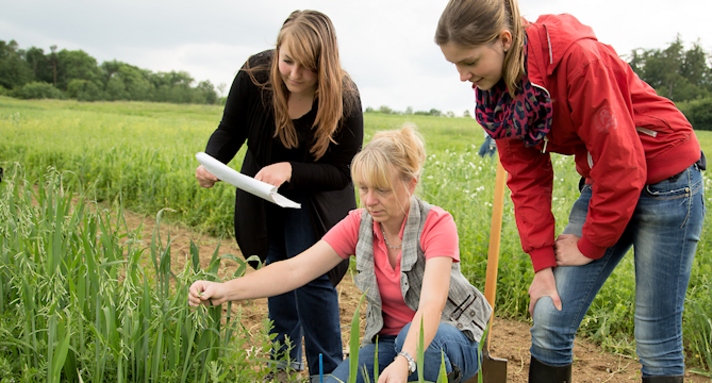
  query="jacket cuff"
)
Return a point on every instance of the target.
[
  {"x": 543, "y": 258},
  {"x": 590, "y": 250}
]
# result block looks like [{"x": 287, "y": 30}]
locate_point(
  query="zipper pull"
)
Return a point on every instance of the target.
[{"x": 546, "y": 142}]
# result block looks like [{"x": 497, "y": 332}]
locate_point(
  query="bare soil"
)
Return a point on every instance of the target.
[{"x": 510, "y": 338}]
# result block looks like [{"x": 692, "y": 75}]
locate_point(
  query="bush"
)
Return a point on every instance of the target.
[
  {"x": 698, "y": 112},
  {"x": 36, "y": 90},
  {"x": 84, "y": 90}
]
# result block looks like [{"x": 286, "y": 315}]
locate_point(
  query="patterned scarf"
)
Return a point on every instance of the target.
[{"x": 526, "y": 116}]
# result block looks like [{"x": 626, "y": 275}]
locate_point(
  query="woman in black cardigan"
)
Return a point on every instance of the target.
[{"x": 300, "y": 114}]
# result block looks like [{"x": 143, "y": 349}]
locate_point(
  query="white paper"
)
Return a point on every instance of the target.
[{"x": 246, "y": 183}]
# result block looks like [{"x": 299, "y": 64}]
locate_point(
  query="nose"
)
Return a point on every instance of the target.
[
  {"x": 464, "y": 75},
  {"x": 296, "y": 72},
  {"x": 369, "y": 199}
]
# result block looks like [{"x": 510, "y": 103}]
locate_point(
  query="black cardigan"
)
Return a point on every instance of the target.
[{"x": 248, "y": 116}]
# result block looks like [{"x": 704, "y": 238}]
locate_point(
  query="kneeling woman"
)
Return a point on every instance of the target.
[{"x": 407, "y": 259}]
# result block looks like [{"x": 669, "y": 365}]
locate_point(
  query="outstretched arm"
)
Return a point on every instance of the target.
[{"x": 274, "y": 279}]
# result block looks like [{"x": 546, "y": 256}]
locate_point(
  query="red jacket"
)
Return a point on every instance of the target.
[{"x": 622, "y": 134}]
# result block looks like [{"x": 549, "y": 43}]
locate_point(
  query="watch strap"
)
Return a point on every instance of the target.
[{"x": 411, "y": 361}]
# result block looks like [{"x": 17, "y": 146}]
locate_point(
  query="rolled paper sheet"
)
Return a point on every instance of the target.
[{"x": 243, "y": 182}]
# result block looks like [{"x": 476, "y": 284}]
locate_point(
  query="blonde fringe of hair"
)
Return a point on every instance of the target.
[
  {"x": 472, "y": 23},
  {"x": 401, "y": 151}
]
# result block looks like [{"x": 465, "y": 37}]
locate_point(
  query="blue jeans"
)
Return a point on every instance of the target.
[
  {"x": 311, "y": 311},
  {"x": 664, "y": 232},
  {"x": 458, "y": 350}
]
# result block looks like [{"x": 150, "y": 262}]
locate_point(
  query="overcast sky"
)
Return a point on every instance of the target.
[{"x": 386, "y": 45}]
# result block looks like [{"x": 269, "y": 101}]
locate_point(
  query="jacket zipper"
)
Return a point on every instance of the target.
[{"x": 546, "y": 140}]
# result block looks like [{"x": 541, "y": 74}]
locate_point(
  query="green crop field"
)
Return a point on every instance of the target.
[{"x": 78, "y": 302}]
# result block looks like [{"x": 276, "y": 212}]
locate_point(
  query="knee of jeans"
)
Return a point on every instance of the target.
[
  {"x": 552, "y": 332},
  {"x": 435, "y": 356}
]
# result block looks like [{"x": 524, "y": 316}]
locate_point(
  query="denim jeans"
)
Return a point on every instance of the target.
[
  {"x": 457, "y": 348},
  {"x": 311, "y": 311},
  {"x": 663, "y": 231}
]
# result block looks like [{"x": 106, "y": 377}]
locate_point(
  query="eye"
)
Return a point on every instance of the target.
[{"x": 472, "y": 63}]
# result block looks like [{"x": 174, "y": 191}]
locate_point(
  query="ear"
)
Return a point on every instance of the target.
[
  {"x": 411, "y": 185},
  {"x": 505, "y": 36}
]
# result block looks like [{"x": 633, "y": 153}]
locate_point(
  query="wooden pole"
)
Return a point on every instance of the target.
[{"x": 495, "y": 236}]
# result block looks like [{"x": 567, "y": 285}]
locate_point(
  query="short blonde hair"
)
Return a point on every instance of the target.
[{"x": 401, "y": 151}]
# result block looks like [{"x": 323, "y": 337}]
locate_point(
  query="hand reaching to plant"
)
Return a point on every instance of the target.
[
  {"x": 207, "y": 293},
  {"x": 275, "y": 174},
  {"x": 205, "y": 179},
  {"x": 396, "y": 372}
]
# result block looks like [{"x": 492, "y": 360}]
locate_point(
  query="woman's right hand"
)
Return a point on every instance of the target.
[
  {"x": 207, "y": 293},
  {"x": 543, "y": 285},
  {"x": 205, "y": 179}
]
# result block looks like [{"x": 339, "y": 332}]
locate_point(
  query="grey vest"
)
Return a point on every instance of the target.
[{"x": 466, "y": 307}]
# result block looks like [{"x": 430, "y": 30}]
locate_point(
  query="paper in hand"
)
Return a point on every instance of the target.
[{"x": 243, "y": 182}]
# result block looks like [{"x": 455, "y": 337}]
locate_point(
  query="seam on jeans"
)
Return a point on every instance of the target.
[{"x": 689, "y": 193}]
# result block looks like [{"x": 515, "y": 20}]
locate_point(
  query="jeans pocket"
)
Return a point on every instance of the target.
[
  {"x": 667, "y": 190},
  {"x": 656, "y": 192}
]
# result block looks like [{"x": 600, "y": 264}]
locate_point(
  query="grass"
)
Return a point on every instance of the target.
[
  {"x": 142, "y": 155},
  {"x": 81, "y": 300}
]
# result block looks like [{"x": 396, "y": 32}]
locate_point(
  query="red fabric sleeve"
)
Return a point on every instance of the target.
[
  {"x": 530, "y": 178},
  {"x": 601, "y": 109}
]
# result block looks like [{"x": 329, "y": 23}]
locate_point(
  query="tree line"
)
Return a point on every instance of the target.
[
  {"x": 32, "y": 73},
  {"x": 682, "y": 75}
]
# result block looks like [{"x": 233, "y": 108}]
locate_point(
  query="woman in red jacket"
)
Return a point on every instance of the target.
[{"x": 550, "y": 86}]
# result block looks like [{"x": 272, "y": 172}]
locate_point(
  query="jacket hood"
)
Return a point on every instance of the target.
[{"x": 550, "y": 37}]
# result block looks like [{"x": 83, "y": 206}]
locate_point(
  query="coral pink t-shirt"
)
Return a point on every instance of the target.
[{"x": 439, "y": 239}]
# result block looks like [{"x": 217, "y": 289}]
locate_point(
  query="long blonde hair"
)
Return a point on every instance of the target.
[
  {"x": 311, "y": 40},
  {"x": 470, "y": 23}
]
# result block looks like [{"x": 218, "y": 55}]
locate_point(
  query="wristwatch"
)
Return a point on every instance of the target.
[{"x": 411, "y": 361}]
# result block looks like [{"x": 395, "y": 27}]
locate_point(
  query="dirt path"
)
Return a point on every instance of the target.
[{"x": 510, "y": 339}]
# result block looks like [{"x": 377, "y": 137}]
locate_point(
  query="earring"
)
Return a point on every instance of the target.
[{"x": 505, "y": 50}]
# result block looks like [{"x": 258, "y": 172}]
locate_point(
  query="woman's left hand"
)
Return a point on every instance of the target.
[
  {"x": 396, "y": 372},
  {"x": 275, "y": 174},
  {"x": 567, "y": 252}
]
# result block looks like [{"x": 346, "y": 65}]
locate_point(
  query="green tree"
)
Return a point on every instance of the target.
[
  {"x": 14, "y": 71},
  {"x": 385, "y": 109},
  {"x": 76, "y": 65},
  {"x": 40, "y": 64},
  {"x": 205, "y": 93},
  {"x": 673, "y": 72}
]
